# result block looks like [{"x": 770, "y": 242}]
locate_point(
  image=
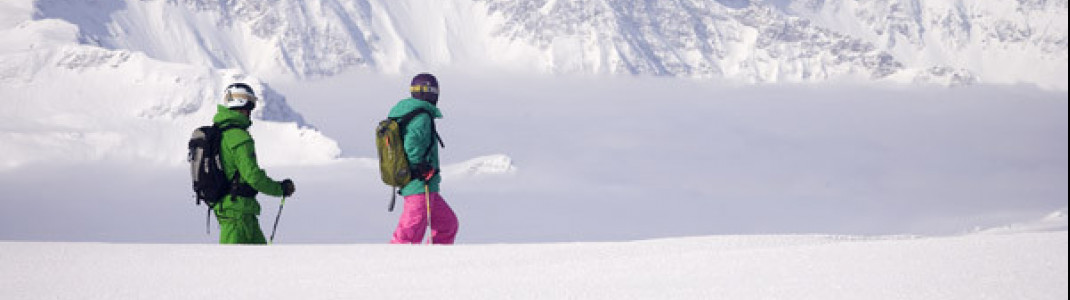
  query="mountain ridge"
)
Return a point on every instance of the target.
[{"x": 946, "y": 42}]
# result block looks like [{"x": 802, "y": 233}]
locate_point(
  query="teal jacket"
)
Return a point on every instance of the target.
[
  {"x": 238, "y": 154},
  {"x": 418, "y": 135}
]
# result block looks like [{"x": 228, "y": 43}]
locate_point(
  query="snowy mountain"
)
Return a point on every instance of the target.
[
  {"x": 706, "y": 39},
  {"x": 276, "y": 38},
  {"x": 66, "y": 100},
  {"x": 1020, "y": 41},
  {"x": 950, "y": 42}
]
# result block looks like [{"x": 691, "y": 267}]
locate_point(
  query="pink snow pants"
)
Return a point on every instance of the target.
[{"x": 413, "y": 221}]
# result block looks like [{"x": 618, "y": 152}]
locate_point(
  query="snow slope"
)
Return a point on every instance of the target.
[
  {"x": 283, "y": 38},
  {"x": 1000, "y": 41},
  {"x": 1024, "y": 265},
  {"x": 99, "y": 87},
  {"x": 65, "y": 101}
]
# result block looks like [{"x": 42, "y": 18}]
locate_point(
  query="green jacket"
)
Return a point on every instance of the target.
[
  {"x": 418, "y": 135},
  {"x": 238, "y": 155}
]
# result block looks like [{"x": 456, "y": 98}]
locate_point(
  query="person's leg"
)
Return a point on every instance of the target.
[
  {"x": 443, "y": 221},
  {"x": 228, "y": 229},
  {"x": 413, "y": 221},
  {"x": 244, "y": 229},
  {"x": 253, "y": 234},
  {"x": 238, "y": 223}
]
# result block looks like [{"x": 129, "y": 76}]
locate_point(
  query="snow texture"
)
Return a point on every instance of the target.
[{"x": 978, "y": 266}]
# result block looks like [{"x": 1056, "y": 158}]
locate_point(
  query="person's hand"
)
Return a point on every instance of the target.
[
  {"x": 287, "y": 187},
  {"x": 423, "y": 172}
]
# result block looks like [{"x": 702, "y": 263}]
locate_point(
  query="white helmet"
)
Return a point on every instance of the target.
[{"x": 239, "y": 96}]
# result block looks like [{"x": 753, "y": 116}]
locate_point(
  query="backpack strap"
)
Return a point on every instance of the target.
[
  {"x": 408, "y": 116},
  {"x": 437, "y": 137},
  {"x": 225, "y": 127},
  {"x": 404, "y": 119}
]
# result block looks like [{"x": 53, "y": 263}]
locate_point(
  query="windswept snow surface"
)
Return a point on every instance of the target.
[
  {"x": 98, "y": 103},
  {"x": 1025, "y": 265}
]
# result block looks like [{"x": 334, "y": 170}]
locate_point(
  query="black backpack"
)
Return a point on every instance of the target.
[{"x": 210, "y": 183}]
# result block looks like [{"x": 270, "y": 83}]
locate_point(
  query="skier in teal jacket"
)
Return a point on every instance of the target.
[
  {"x": 237, "y": 213},
  {"x": 421, "y": 141}
]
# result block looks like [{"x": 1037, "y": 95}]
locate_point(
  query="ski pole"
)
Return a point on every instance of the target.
[
  {"x": 276, "y": 226},
  {"x": 427, "y": 197}
]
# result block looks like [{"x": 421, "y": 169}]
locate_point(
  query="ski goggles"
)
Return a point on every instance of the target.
[
  {"x": 423, "y": 89},
  {"x": 243, "y": 96}
]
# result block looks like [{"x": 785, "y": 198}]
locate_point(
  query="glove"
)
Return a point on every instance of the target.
[
  {"x": 287, "y": 187},
  {"x": 423, "y": 172}
]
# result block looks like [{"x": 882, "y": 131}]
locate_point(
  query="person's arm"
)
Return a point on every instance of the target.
[
  {"x": 251, "y": 173},
  {"x": 418, "y": 136}
]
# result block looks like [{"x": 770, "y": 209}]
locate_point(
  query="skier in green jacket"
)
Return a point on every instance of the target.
[{"x": 237, "y": 213}]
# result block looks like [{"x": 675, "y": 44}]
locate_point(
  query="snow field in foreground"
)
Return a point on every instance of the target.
[{"x": 1029, "y": 265}]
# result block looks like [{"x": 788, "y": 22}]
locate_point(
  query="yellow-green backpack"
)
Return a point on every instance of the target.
[{"x": 393, "y": 161}]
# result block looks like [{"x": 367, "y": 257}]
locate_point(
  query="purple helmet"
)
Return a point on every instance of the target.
[{"x": 425, "y": 87}]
